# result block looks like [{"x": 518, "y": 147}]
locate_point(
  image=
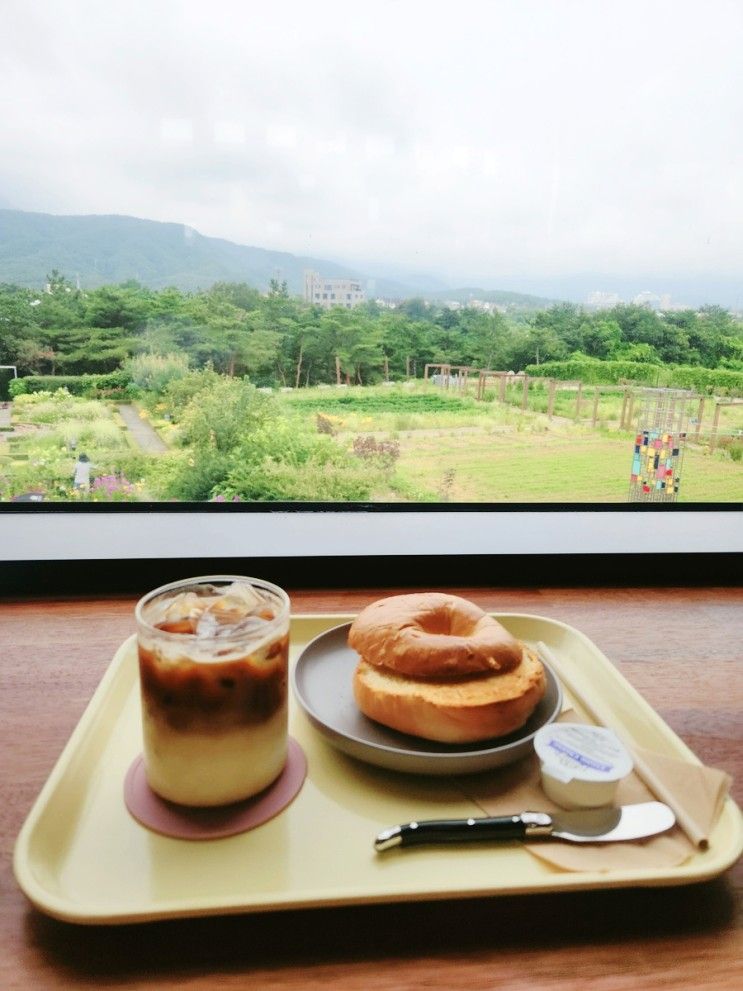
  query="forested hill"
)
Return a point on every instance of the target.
[{"x": 106, "y": 250}]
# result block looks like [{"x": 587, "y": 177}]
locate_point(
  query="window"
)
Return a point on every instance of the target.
[{"x": 532, "y": 283}]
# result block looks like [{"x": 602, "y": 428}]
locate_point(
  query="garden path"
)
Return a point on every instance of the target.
[{"x": 141, "y": 431}]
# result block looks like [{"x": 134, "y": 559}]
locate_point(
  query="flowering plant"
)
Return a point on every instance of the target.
[{"x": 114, "y": 488}]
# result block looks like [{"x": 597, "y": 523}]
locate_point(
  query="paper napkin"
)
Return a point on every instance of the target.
[{"x": 699, "y": 790}]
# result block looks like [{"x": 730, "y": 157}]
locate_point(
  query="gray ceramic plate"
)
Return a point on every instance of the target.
[{"x": 323, "y": 686}]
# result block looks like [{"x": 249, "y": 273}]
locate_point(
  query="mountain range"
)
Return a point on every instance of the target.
[{"x": 109, "y": 249}]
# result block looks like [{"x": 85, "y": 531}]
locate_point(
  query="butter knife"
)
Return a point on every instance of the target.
[{"x": 604, "y": 825}]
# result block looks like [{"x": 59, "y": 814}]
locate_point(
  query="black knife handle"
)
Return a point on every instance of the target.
[{"x": 482, "y": 828}]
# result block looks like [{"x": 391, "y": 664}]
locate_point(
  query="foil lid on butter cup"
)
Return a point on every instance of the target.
[{"x": 581, "y": 765}]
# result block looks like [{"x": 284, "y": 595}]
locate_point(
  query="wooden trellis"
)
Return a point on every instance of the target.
[
  {"x": 719, "y": 403},
  {"x": 458, "y": 377}
]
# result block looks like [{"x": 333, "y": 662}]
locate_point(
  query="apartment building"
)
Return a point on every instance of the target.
[{"x": 332, "y": 292}]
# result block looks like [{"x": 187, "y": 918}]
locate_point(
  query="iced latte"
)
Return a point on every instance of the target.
[{"x": 213, "y": 656}]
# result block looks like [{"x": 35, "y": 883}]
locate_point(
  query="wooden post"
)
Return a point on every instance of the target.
[
  {"x": 630, "y": 410},
  {"x": 503, "y": 382},
  {"x": 597, "y": 396},
  {"x": 386, "y": 369},
  {"x": 425, "y": 374},
  {"x": 551, "y": 398},
  {"x": 524, "y": 398},
  {"x": 577, "y": 402},
  {"x": 337, "y": 370},
  {"x": 407, "y": 367},
  {"x": 715, "y": 425},
  {"x": 622, "y": 415},
  {"x": 700, "y": 414},
  {"x": 299, "y": 365}
]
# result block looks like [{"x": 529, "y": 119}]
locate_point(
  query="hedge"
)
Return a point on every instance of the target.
[
  {"x": 595, "y": 372},
  {"x": 720, "y": 381},
  {"x": 717, "y": 381},
  {"x": 90, "y": 386}
]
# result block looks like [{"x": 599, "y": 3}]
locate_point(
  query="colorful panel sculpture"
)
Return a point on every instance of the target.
[{"x": 656, "y": 465}]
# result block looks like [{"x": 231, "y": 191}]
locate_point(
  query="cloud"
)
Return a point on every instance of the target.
[{"x": 483, "y": 140}]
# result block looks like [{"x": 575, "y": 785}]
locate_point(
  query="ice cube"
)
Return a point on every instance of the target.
[
  {"x": 208, "y": 625},
  {"x": 183, "y": 606}
]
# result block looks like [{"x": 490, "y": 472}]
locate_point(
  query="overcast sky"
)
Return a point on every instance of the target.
[{"x": 478, "y": 140}]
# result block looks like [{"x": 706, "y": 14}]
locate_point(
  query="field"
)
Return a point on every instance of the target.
[
  {"x": 564, "y": 466},
  {"x": 453, "y": 448},
  {"x": 423, "y": 443}
]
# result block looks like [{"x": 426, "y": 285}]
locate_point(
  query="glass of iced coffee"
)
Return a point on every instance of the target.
[{"x": 213, "y": 656}]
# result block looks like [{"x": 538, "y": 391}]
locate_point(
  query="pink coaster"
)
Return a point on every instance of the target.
[{"x": 185, "y": 823}]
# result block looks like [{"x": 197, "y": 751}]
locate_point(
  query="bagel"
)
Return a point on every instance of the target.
[
  {"x": 477, "y": 708},
  {"x": 433, "y": 635},
  {"x": 436, "y": 666}
]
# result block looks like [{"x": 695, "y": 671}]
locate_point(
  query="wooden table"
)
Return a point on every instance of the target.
[{"x": 53, "y": 654}]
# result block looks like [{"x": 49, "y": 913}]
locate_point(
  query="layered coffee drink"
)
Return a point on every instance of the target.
[{"x": 213, "y": 660}]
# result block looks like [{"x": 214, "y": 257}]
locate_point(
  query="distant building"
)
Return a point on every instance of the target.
[
  {"x": 332, "y": 292},
  {"x": 650, "y": 299},
  {"x": 603, "y": 300}
]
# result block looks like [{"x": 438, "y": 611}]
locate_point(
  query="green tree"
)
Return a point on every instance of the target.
[
  {"x": 18, "y": 328},
  {"x": 566, "y": 321},
  {"x": 118, "y": 306},
  {"x": 601, "y": 337},
  {"x": 357, "y": 341},
  {"x": 278, "y": 290},
  {"x": 639, "y": 325},
  {"x": 223, "y": 333},
  {"x": 486, "y": 340}
]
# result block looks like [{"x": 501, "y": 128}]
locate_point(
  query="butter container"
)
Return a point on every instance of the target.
[{"x": 581, "y": 765}]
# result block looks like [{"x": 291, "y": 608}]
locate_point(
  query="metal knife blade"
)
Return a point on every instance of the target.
[
  {"x": 604, "y": 825},
  {"x": 610, "y": 825}
]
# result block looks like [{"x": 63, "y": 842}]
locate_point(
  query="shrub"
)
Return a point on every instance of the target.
[
  {"x": 316, "y": 481},
  {"x": 57, "y": 407},
  {"x": 733, "y": 447},
  {"x": 324, "y": 424},
  {"x": 179, "y": 392},
  {"x": 90, "y": 386},
  {"x": 383, "y": 452},
  {"x": 222, "y": 416},
  {"x": 154, "y": 372},
  {"x": 190, "y": 476},
  {"x": 91, "y": 434}
]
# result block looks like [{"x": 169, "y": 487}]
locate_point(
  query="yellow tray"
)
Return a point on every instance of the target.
[{"x": 81, "y": 857}]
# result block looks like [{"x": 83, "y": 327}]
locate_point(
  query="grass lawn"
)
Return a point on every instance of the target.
[{"x": 580, "y": 466}]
